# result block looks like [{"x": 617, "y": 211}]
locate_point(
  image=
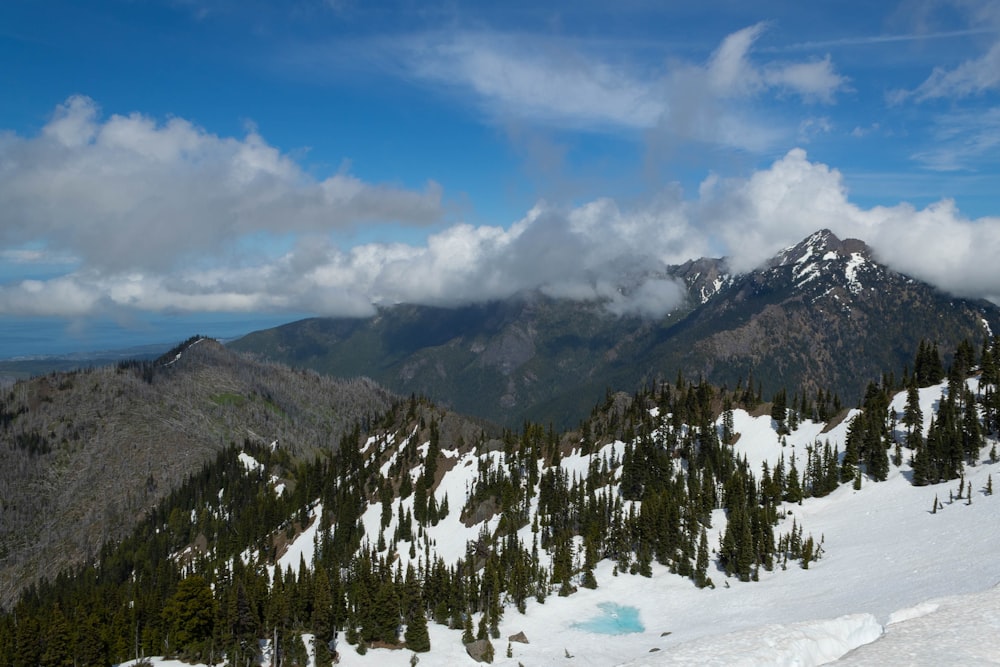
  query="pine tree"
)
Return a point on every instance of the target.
[
  {"x": 58, "y": 642},
  {"x": 467, "y": 636},
  {"x": 28, "y": 642},
  {"x": 913, "y": 416},
  {"x": 90, "y": 648},
  {"x": 848, "y": 468},
  {"x": 322, "y": 605},
  {"x": 701, "y": 567},
  {"x": 417, "y": 637},
  {"x": 793, "y": 493},
  {"x": 189, "y": 614},
  {"x": 779, "y": 411}
]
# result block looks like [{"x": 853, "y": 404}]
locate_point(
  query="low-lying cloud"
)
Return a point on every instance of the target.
[{"x": 153, "y": 214}]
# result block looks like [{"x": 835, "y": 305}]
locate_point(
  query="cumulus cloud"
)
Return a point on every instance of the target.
[
  {"x": 129, "y": 193},
  {"x": 779, "y": 206},
  {"x": 600, "y": 250}
]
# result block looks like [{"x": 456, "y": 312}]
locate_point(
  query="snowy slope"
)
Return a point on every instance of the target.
[{"x": 897, "y": 584}]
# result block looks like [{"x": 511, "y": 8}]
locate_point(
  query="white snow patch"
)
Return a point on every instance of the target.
[
  {"x": 303, "y": 547},
  {"x": 854, "y": 264},
  {"x": 797, "y": 645},
  {"x": 910, "y": 613},
  {"x": 249, "y": 462},
  {"x": 808, "y": 273},
  {"x": 957, "y": 631}
]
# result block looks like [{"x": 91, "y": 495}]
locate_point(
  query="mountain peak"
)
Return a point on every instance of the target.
[
  {"x": 823, "y": 258},
  {"x": 820, "y": 245}
]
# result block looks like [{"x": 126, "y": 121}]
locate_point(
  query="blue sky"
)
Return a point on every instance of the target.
[{"x": 171, "y": 167}]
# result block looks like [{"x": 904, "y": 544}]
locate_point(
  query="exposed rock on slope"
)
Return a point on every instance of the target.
[
  {"x": 824, "y": 313},
  {"x": 83, "y": 455}
]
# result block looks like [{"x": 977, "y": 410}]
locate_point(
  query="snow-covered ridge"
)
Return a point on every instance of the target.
[
  {"x": 887, "y": 559},
  {"x": 823, "y": 254}
]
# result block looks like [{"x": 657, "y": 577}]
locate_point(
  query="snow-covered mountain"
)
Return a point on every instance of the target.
[
  {"x": 823, "y": 313},
  {"x": 897, "y": 581}
]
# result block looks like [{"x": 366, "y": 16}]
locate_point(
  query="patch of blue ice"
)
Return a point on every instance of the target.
[{"x": 614, "y": 619}]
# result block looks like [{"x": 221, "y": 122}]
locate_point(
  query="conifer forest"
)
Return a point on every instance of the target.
[{"x": 200, "y": 576}]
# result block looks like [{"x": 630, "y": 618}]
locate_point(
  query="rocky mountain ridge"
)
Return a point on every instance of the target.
[
  {"x": 84, "y": 455},
  {"x": 822, "y": 313}
]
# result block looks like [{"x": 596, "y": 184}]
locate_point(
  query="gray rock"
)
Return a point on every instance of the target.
[{"x": 480, "y": 650}]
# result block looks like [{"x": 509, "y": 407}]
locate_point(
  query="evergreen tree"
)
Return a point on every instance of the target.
[
  {"x": 701, "y": 567},
  {"x": 913, "y": 416},
  {"x": 417, "y": 638},
  {"x": 90, "y": 648},
  {"x": 779, "y": 404},
  {"x": 189, "y": 615},
  {"x": 58, "y": 642},
  {"x": 852, "y": 445},
  {"x": 467, "y": 636}
]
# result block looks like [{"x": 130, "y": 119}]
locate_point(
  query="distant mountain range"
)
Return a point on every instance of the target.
[
  {"x": 19, "y": 368},
  {"x": 823, "y": 314}
]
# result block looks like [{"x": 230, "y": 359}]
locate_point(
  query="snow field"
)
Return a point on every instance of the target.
[{"x": 896, "y": 584}]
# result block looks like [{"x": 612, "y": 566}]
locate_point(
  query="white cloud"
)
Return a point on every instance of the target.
[
  {"x": 552, "y": 82},
  {"x": 729, "y": 71},
  {"x": 972, "y": 77},
  {"x": 66, "y": 296},
  {"x": 779, "y": 206},
  {"x": 528, "y": 78},
  {"x": 814, "y": 81},
  {"x": 128, "y": 193},
  {"x": 963, "y": 140},
  {"x": 27, "y": 255},
  {"x": 598, "y": 250}
]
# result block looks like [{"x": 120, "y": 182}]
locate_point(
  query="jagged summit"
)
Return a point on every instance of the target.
[
  {"x": 704, "y": 277},
  {"x": 825, "y": 268},
  {"x": 822, "y": 313},
  {"x": 821, "y": 244}
]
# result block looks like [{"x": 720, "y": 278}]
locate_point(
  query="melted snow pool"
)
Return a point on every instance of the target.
[{"x": 613, "y": 619}]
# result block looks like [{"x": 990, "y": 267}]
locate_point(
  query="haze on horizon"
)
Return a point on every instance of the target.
[{"x": 213, "y": 161}]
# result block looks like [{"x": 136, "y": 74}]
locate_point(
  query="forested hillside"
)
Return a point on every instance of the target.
[
  {"x": 85, "y": 455},
  {"x": 392, "y": 528}
]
